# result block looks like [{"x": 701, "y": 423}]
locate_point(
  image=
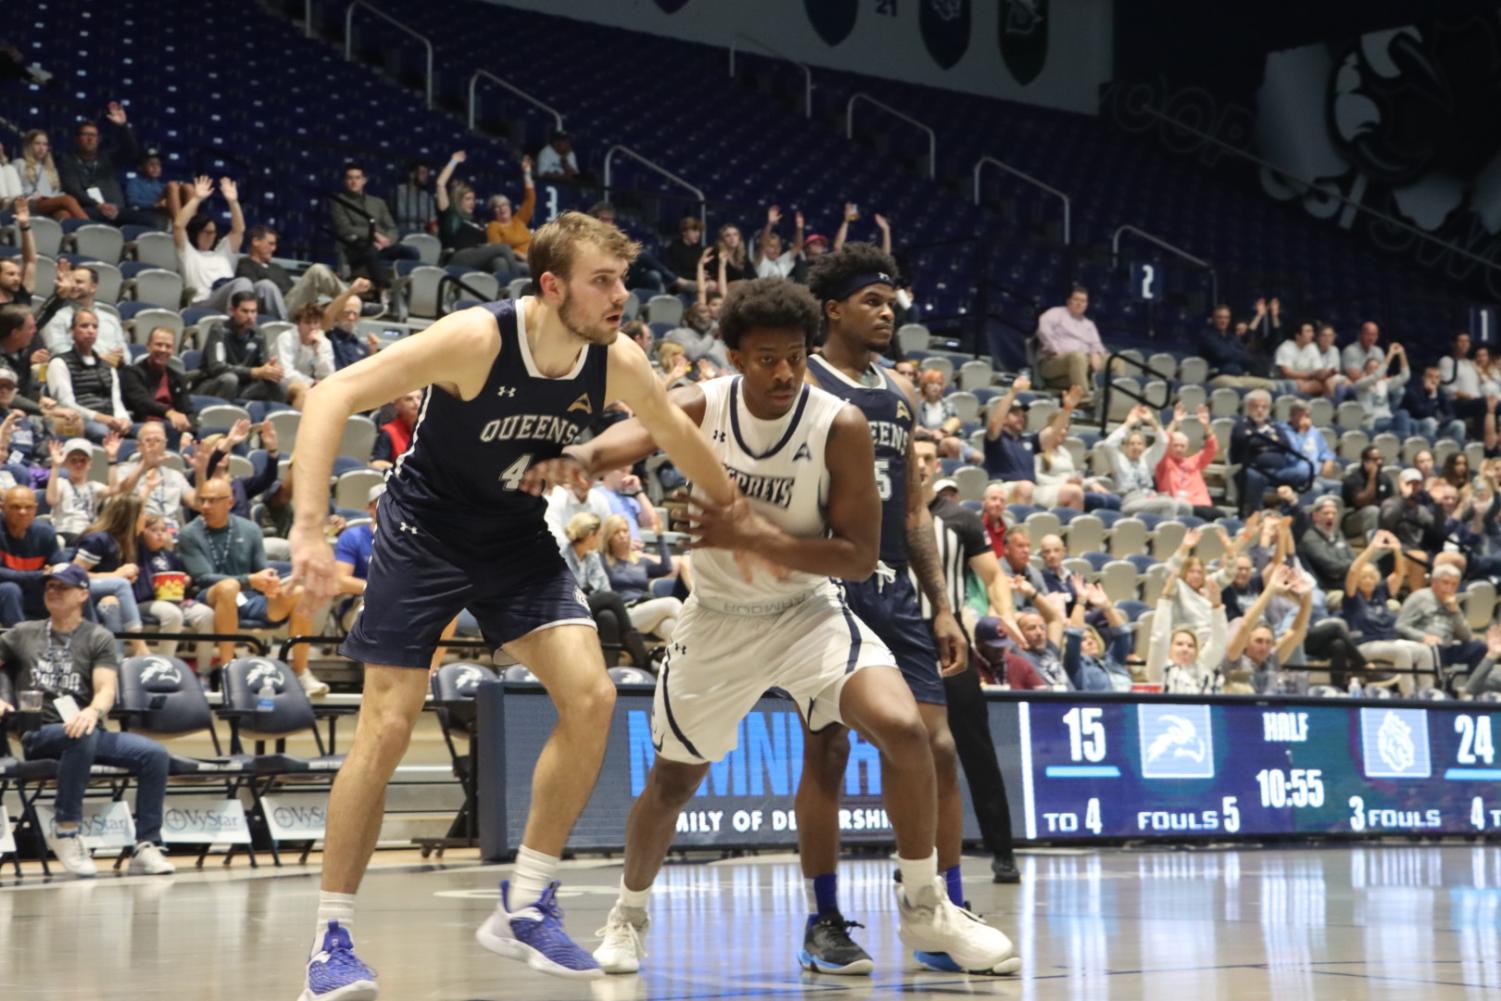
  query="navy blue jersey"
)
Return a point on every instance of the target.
[
  {"x": 890, "y": 415},
  {"x": 460, "y": 478}
]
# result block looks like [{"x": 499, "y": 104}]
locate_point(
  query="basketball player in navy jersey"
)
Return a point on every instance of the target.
[
  {"x": 508, "y": 385},
  {"x": 805, "y": 465},
  {"x": 856, "y": 287}
]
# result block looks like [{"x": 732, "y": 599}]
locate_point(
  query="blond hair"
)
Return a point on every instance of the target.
[
  {"x": 32, "y": 166},
  {"x": 613, "y": 524},
  {"x": 554, "y": 246},
  {"x": 581, "y": 526}
]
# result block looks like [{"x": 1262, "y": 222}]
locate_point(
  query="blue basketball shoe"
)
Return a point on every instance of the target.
[
  {"x": 335, "y": 973},
  {"x": 535, "y": 936}
]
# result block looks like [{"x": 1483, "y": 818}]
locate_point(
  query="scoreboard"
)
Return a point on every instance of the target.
[{"x": 1112, "y": 768}]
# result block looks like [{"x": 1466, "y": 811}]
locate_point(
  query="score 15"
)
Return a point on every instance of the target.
[{"x": 1086, "y": 733}]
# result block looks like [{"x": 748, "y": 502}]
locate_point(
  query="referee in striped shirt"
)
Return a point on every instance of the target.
[{"x": 964, "y": 549}]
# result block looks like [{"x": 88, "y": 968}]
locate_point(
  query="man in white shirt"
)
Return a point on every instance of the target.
[
  {"x": 1329, "y": 358},
  {"x": 305, "y": 354},
  {"x": 771, "y": 261},
  {"x": 1301, "y": 366},
  {"x": 1069, "y": 349},
  {"x": 1363, "y": 350},
  {"x": 1460, "y": 381},
  {"x": 79, "y": 286},
  {"x": 78, "y": 379},
  {"x": 557, "y": 158},
  {"x": 565, "y": 501},
  {"x": 163, "y": 489}
]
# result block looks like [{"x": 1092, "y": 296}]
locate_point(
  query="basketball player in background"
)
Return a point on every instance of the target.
[
  {"x": 509, "y": 384},
  {"x": 855, "y": 288},
  {"x": 804, "y": 463}
]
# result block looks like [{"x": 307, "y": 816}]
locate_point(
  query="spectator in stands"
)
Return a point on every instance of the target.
[
  {"x": 148, "y": 196},
  {"x": 1459, "y": 379},
  {"x": 1358, "y": 355},
  {"x": 729, "y": 260},
  {"x": 276, "y": 293},
  {"x": 77, "y": 290},
  {"x": 352, "y": 552},
  {"x": 395, "y": 436},
  {"x": 80, "y": 380},
  {"x": 1422, "y": 461},
  {"x": 41, "y": 184},
  {"x": 623, "y": 492},
  {"x": 1038, "y": 662},
  {"x": 107, "y": 551},
  {"x": 1264, "y": 452},
  {"x": 1193, "y": 602},
  {"x": 1485, "y": 678},
  {"x": 671, "y": 364},
  {"x": 1364, "y": 490},
  {"x": 1176, "y": 659},
  {"x": 936, "y": 415},
  {"x": 211, "y": 458},
  {"x": 226, "y": 557},
  {"x": 1310, "y": 443},
  {"x": 1229, "y": 354},
  {"x": 771, "y": 260},
  {"x": 1061, "y": 587},
  {"x": 1016, "y": 562},
  {"x": 208, "y": 266},
  {"x": 1301, "y": 366},
  {"x": 512, "y": 227},
  {"x": 1329, "y": 361},
  {"x": 1323, "y": 548},
  {"x": 340, "y": 318},
  {"x": 23, "y": 438},
  {"x": 557, "y": 160},
  {"x": 852, "y": 214},
  {"x": 1009, "y": 450},
  {"x": 63, "y": 656},
  {"x": 1256, "y": 653},
  {"x": 163, "y": 489},
  {"x": 1058, "y": 482},
  {"x": 92, "y": 175},
  {"x": 464, "y": 238},
  {"x": 610, "y": 612},
  {"x": 630, "y": 572},
  {"x": 154, "y": 391},
  {"x": 18, "y": 277},
  {"x": 1069, "y": 350},
  {"x": 161, "y": 589},
  {"x": 1432, "y": 616},
  {"x": 1264, "y": 332},
  {"x": 73, "y": 497},
  {"x": 236, "y": 362},
  {"x": 1365, "y": 608},
  {"x": 17, "y": 334},
  {"x": 1487, "y": 371},
  {"x": 304, "y": 354},
  {"x": 1181, "y": 475},
  {"x": 1093, "y": 663},
  {"x": 992, "y": 516},
  {"x": 1377, "y": 392},
  {"x": 1431, "y": 412},
  {"x": 416, "y": 211},
  {"x": 27, "y": 548},
  {"x": 683, "y": 255},
  {"x": 1134, "y": 465},
  {"x": 1456, "y": 471},
  {"x": 365, "y": 230},
  {"x": 699, "y": 336},
  {"x": 565, "y": 501},
  {"x": 1408, "y": 515}
]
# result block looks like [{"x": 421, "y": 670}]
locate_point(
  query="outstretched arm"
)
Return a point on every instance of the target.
[
  {"x": 231, "y": 193},
  {"x": 202, "y": 188},
  {"x": 1000, "y": 408}
]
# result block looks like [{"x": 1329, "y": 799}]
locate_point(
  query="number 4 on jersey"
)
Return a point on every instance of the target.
[{"x": 516, "y": 472}]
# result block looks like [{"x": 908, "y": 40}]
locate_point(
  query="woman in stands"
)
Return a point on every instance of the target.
[
  {"x": 936, "y": 413},
  {"x": 610, "y": 612},
  {"x": 464, "y": 239},
  {"x": 1366, "y": 611},
  {"x": 108, "y": 551},
  {"x": 161, "y": 589},
  {"x": 1093, "y": 664},
  {"x": 1176, "y": 659},
  {"x": 40, "y": 184},
  {"x": 631, "y": 573},
  {"x": 1457, "y": 470},
  {"x": 1057, "y": 479},
  {"x": 730, "y": 259},
  {"x": 1134, "y": 465}
]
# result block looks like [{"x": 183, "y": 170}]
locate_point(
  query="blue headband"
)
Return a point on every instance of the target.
[{"x": 855, "y": 283}]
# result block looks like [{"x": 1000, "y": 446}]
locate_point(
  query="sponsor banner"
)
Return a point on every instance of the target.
[
  {"x": 204, "y": 820},
  {"x": 106, "y": 825},
  {"x": 296, "y": 816},
  {"x": 7, "y": 836}
]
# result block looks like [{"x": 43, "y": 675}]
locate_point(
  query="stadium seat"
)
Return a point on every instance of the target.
[
  {"x": 975, "y": 375},
  {"x": 912, "y": 337},
  {"x": 97, "y": 242},
  {"x": 286, "y": 423},
  {"x": 1118, "y": 578},
  {"x": 1128, "y": 537},
  {"x": 157, "y": 287},
  {"x": 427, "y": 245},
  {"x": 664, "y": 309},
  {"x": 358, "y": 439},
  {"x": 221, "y": 417},
  {"x": 352, "y": 489},
  {"x": 156, "y": 250}
]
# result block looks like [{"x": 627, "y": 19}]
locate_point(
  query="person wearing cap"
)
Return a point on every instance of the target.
[
  {"x": 1408, "y": 516},
  {"x": 1323, "y": 548},
  {"x": 557, "y": 159},
  {"x": 155, "y": 392},
  {"x": 73, "y": 664},
  {"x": 73, "y": 497},
  {"x": 84, "y": 381},
  {"x": 1010, "y": 452},
  {"x": 1069, "y": 350}
]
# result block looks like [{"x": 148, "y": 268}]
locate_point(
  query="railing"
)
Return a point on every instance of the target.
[
  {"x": 807, "y": 73},
  {"x": 849, "y": 126},
  {"x": 349, "y": 39},
  {"x": 1324, "y": 192},
  {"x": 1120, "y": 359},
  {"x": 1115, "y": 253},
  {"x": 703, "y": 212},
  {"x": 1041, "y": 185},
  {"x": 557, "y": 116}
]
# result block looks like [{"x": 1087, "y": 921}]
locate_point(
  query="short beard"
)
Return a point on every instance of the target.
[{"x": 573, "y": 326}]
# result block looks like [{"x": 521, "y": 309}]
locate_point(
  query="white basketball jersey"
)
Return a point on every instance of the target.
[{"x": 779, "y": 467}]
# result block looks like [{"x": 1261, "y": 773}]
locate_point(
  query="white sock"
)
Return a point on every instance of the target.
[
  {"x": 918, "y": 875},
  {"x": 530, "y": 876},
  {"x": 634, "y": 900},
  {"x": 332, "y": 907}
]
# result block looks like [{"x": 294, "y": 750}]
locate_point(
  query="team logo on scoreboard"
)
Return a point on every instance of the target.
[
  {"x": 1394, "y": 743},
  {"x": 1177, "y": 742}
]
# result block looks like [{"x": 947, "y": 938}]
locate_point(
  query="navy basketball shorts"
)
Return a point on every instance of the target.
[
  {"x": 892, "y": 611},
  {"x": 417, "y": 585}
]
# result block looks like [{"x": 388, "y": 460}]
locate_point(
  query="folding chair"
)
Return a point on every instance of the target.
[{"x": 454, "y": 687}]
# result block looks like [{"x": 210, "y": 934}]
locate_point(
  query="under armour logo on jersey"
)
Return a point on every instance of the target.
[
  {"x": 718, "y": 435},
  {"x": 409, "y": 529},
  {"x": 582, "y": 403},
  {"x": 803, "y": 453},
  {"x": 506, "y": 391}
]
